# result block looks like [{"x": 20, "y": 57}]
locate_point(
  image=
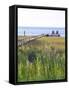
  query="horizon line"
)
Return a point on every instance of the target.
[{"x": 37, "y": 27}]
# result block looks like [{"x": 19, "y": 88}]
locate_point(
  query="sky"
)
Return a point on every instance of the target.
[{"x": 40, "y": 18}]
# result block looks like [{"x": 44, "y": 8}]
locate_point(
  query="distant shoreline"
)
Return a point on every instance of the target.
[{"x": 34, "y": 31}]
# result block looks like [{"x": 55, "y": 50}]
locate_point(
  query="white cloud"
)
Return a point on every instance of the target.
[{"x": 40, "y": 18}]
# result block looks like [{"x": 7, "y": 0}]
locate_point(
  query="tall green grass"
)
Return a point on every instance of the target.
[{"x": 48, "y": 65}]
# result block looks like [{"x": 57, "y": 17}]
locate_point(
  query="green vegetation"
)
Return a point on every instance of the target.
[{"x": 49, "y": 63}]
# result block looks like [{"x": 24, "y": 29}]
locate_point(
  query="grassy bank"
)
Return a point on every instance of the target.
[{"x": 49, "y": 63}]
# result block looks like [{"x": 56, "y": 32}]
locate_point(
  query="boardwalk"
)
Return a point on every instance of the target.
[{"x": 24, "y": 42}]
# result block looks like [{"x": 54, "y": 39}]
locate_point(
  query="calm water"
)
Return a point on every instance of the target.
[{"x": 40, "y": 30}]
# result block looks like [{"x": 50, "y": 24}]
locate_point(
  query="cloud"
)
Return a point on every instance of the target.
[{"x": 40, "y": 18}]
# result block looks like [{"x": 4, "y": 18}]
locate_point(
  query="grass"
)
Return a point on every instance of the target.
[{"x": 49, "y": 63}]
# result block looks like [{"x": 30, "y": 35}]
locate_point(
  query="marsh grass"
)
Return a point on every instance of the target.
[{"x": 48, "y": 65}]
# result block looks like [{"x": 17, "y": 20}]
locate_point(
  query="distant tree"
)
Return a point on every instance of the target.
[
  {"x": 58, "y": 35},
  {"x": 47, "y": 34},
  {"x": 53, "y": 32},
  {"x": 57, "y": 32}
]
